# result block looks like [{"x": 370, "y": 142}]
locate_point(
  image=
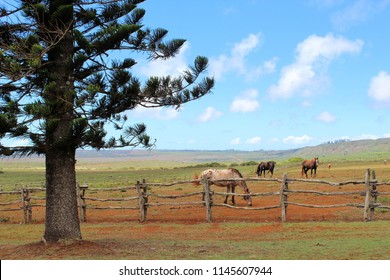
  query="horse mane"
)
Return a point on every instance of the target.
[
  {"x": 241, "y": 183},
  {"x": 236, "y": 171}
]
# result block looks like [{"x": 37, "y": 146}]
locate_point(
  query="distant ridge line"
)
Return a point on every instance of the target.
[{"x": 354, "y": 149}]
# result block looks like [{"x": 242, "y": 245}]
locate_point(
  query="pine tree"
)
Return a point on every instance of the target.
[{"x": 60, "y": 87}]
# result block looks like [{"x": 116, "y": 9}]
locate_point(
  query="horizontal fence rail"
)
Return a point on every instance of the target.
[{"x": 139, "y": 200}]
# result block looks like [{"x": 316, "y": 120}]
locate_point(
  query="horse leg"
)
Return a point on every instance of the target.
[{"x": 226, "y": 197}]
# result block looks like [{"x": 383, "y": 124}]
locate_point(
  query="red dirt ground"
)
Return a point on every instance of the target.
[{"x": 194, "y": 214}]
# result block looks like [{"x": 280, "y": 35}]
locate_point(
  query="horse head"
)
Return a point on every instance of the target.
[
  {"x": 248, "y": 199},
  {"x": 260, "y": 167}
]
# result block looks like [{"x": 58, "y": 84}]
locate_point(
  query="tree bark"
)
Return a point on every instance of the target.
[{"x": 61, "y": 200}]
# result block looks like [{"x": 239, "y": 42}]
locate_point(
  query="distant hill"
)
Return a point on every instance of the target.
[
  {"x": 349, "y": 150},
  {"x": 340, "y": 150}
]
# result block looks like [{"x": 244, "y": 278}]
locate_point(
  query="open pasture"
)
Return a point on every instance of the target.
[{"x": 180, "y": 232}]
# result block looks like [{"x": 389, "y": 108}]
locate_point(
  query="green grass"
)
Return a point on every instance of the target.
[
  {"x": 118, "y": 173},
  {"x": 115, "y": 174}
]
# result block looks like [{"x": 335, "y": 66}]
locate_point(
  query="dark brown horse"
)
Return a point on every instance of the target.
[
  {"x": 311, "y": 164},
  {"x": 263, "y": 166}
]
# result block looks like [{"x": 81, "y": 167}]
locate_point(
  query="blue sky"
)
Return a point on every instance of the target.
[{"x": 288, "y": 73}]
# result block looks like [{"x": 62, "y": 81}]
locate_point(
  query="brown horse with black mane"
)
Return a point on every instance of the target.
[
  {"x": 220, "y": 174},
  {"x": 311, "y": 164},
  {"x": 263, "y": 166}
]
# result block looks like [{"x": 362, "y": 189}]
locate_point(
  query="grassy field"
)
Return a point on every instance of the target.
[
  {"x": 274, "y": 241},
  {"x": 100, "y": 172},
  {"x": 339, "y": 235}
]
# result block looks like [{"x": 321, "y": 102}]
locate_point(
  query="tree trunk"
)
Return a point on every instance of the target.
[{"x": 61, "y": 201}]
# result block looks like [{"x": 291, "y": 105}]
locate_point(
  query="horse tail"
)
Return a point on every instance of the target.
[
  {"x": 303, "y": 167},
  {"x": 196, "y": 177},
  {"x": 233, "y": 170}
]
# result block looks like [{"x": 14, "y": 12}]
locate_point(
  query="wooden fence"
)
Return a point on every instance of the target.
[
  {"x": 25, "y": 202},
  {"x": 141, "y": 197}
]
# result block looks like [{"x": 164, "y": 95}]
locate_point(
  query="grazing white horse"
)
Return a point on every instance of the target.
[{"x": 220, "y": 174}]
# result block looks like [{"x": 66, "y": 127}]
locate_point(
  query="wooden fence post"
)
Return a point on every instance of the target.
[
  {"x": 207, "y": 200},
  {"x": 374, "y": 196},
  {"x": 141, "y": 201},
  {"x": 146, "y": 197},
  {"x": 24, "y": 207},
  {"x": 367, "y": 199},
  {"x": 81, "y": 202},
  {"x": 29, "y": 207},
  {"x": 283, "y": 197}
]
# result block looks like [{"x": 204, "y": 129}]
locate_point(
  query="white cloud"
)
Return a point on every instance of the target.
[
  {"x": 326, "y": 117},
  {"x": 380, "y": 87},
  {"x": 295, "y": 77},
  {"x": 316, "y": 48},
  {"x": 297, "y": 140},
  {"x": 308, "y": 72},
  {"x": 174, "y": 66},
  {"x": 235, "y": 141},
  {"x": 360, "y": 137},
  {"x": 236, "y": 60},
  {"x": 244, "y": 47},
  {"x": 359, "y": 11},
  {"x": 209, "y": 114},
  {"x": 159, "y": 113},
  {"x": 266, "y": 68},
  {"x": 246, "y": 102},
  {"x": 218, "y": 67},
  {"x": 254, "y": 140}
]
